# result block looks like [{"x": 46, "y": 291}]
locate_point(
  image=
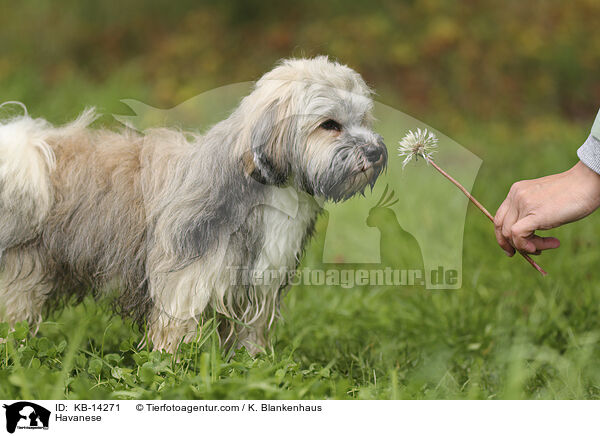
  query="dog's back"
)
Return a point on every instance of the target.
[{"x": 97, "y": 221}]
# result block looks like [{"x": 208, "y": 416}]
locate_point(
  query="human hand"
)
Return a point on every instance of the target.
[{"x": 542, "y": 204}]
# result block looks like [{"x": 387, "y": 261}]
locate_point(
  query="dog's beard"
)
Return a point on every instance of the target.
[{"x": 342, "y": 172}]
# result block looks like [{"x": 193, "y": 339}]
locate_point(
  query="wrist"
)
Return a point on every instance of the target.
[{"x": 589, "y": 182}]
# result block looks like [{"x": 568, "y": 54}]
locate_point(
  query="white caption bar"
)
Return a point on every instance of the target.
[{"x": 299, "y": 417}]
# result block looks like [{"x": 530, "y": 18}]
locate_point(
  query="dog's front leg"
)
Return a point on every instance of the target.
[{"x": 179, "y": 299}]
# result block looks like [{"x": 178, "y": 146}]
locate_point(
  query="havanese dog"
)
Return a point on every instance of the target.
[{"x": 179, "y": 223}]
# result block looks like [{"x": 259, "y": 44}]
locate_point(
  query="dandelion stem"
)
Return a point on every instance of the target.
[{"x": 481, "y": 208}]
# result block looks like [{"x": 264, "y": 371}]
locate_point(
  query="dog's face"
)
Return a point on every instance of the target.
[
  {"x": 313, "y": 128},
  {"x": 338, "y": 152}
]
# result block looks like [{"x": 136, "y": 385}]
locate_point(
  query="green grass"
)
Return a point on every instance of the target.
[{"x": 508, "y": 333}]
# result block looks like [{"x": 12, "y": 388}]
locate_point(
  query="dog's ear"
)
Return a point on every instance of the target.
[{"x": 265, "y": 161}]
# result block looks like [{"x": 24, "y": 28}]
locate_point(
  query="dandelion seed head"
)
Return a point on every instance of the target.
[{"x": 417, "y": 143}]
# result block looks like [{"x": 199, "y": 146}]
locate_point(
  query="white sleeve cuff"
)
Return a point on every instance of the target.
[{"x": 589, "y": 153}]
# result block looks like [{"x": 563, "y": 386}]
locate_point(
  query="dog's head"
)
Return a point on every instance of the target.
[{"x": 308, "y": 123}]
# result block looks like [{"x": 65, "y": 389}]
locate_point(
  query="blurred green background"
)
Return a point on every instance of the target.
[
  {"x": 484, "y": 59},
  {"x": 514, "y": 82}
]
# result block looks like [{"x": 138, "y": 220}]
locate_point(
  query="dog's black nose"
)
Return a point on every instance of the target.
[{"x": 372, "y": 152}]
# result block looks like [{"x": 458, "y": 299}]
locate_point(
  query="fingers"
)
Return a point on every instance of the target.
[
  {"x": 544, "y": 243},
  {"x": 510, "y": 219},
  {"x": 522, "y": 236},
  {"x": 514, "y": 232},
  {"x": 498, "y": 225}
]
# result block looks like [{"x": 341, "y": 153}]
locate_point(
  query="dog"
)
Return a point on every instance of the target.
[{"x": 177, "y": 223}]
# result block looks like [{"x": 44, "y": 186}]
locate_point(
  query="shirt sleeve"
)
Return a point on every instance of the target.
[{"x": 589, "y": 152}]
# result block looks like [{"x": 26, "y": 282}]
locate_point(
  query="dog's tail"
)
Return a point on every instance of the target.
[{"x": 26, "y": 162}]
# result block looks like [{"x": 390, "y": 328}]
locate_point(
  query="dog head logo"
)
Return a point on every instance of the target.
[
  {"x": 314, "y": 154},
  {"x": 26, "y": 415}
]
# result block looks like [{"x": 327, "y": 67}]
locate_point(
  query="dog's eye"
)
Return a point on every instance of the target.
[{"x": 331, "y": 125}]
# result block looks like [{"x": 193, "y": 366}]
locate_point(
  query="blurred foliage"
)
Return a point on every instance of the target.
[{"x": 477, "y": 58}]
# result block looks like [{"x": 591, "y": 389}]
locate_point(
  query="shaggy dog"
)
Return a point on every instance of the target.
[{"x": 178, "y": 223}]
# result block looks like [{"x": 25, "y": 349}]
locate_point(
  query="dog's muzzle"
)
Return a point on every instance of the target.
[
  {"x": 371, "y": 159},
  {"x": 374, "y": 156},
  {"x": 352, "y": 169}
]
